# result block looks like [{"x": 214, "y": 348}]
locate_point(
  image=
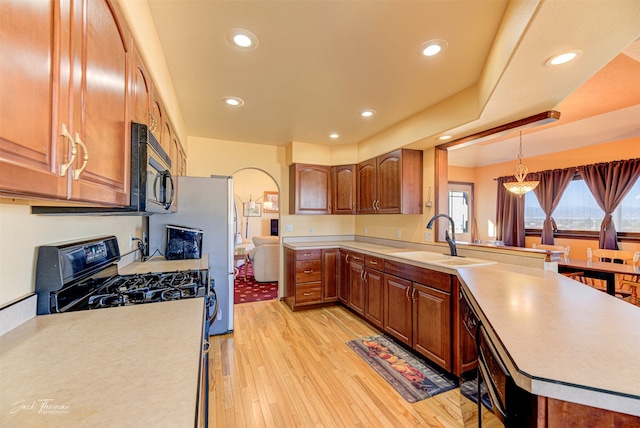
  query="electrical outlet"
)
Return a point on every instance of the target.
[
  {"x": 366, "y": 231},
  {"x": 428, "y": 236},
  {"x": 131, "y": 242},
  {"x": 144, "y": 238},
  {"x": 289, "y": 228},
  {"x": 311, "y": 231},
  {"x": 398, "y": 233}
]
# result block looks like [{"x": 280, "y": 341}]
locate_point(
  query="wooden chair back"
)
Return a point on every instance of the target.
[
  {"x": 601, "y": 255},
  {"x": 630, "y": 284},
  {"x": 562, "y": 248}
]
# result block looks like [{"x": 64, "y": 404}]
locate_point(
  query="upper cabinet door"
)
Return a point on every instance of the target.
[
  {"x": 140, "y": 91},
  {"x": 389, "y": 182},
  {"x": 31, "y": 147},
  {"x": 343, "y": 179},
  {"x": 367, "y": 194},
  {"x": 100, "y": 104},
  {"x": 309, "y": 189}
]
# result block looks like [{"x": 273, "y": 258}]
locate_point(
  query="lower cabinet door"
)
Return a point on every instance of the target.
[
  {"x": 397, "y": 308},
  {"x": 374, "y": 295},
  {"x": 432, "y": 324},
  {"x": 356, "y": 287}
]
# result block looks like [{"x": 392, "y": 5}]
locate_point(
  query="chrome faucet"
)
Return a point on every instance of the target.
[{"x": 450, "y": 240}]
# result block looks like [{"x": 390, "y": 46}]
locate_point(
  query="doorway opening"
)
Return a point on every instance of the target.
[
  {"x": 461, "y": 210},
  {"x": 257, "y": 254}
]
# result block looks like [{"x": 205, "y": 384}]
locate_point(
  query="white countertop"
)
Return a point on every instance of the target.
[
  {"x": 560, "y": 339},
  {"x": 125, "y": 366}
]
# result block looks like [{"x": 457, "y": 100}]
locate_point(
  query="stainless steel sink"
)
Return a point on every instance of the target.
[{"x": 440, "y": 259}]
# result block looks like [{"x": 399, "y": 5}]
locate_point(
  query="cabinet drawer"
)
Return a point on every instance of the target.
[
  {"x": 308, "y": 254},
  {"x": 308, "y": 293},
  {"x": 373, "y": 262},
  {"x": 308, "y": 271},
  {"x": 356, "y": 257}
]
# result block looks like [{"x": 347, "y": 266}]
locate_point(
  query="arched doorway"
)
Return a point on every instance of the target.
[{"x": 256, "y": 196}]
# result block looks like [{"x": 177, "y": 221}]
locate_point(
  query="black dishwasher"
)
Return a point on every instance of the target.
[{"x": 489, "y": 397}]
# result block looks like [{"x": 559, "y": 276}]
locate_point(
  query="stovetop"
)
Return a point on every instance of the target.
[
  {"x": 125, "y": 290},
  {"x": 82, "y": 275}
]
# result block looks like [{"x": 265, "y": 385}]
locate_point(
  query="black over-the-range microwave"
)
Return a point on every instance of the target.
[{"x": 152, "y": 186}]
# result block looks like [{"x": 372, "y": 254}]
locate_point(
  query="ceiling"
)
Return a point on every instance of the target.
[{"x": 319, "y": 63}]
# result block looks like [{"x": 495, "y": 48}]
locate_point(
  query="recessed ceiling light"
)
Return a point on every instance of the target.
[
  {"x": 563, "y": 58},
  {"x": 334, "y": 135},
  {"x": 241, "y": 38},
  {"x": 444, "y": 137},
  {"x": 233, "y": 101},
  {"x": 433, "y": 47},
  {"x": 367, "y": 113}
]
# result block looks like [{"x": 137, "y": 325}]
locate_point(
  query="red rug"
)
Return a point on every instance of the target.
[{"x": 252, "y": 290}]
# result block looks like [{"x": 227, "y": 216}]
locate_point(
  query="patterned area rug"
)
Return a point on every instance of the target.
[
  {"x": 252, "y": 290},
  {"x": 412, "y": 377}
]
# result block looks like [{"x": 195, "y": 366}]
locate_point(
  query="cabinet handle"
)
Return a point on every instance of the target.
[
  {"x": 76, "y": 173},
  {"x": 64, "y": 167},
  {"x": 365, "y": 274},
  {"x": 406, "y": 293},
  {"x": 373, "y": 262},
  {"x": 346, "y": 258},
  {"x": 413, "y": 295},
  {"x": 307, "y": 254},
  {"x": 154, "y": 122},
  {"x": 308, "y": 271},
  {"x": 377, "y": 204},
  {"x": 206, "y": 347},
  {"x": 308, "y": 294}
]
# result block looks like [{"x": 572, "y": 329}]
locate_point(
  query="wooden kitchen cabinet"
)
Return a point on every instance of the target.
[
  {"x": 31, "y": 155},
  {"x": 419, "y": 313},
  {"x": 309, "y": 188},
  {"x": 156, "y": 119},
  {"x": 343, "y": 183},
  {"x": 330, "y": 275},
  {"x": 310, "y": 277},
  {"x": 432, "y": 324},
  {"x": 140, "y": 91},
  {"x": 390, "y": 184},
  {"x": 77, "y": 143},
  {"x": 374, "y": 290},
  {"x": 343, "y": 277},
  {"x": 398, "y": 314},
  {"x": 356, "y": 282}
]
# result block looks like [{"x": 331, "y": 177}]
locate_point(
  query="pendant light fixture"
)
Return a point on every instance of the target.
[{"x": 520, "y": 187}]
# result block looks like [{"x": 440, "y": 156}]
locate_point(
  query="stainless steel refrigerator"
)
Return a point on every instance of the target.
[{"x": 205, "y": 203}]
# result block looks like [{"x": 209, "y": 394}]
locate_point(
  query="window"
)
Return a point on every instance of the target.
[{"x": 579, "y": 211}]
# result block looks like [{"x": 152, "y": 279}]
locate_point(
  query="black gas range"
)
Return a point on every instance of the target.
[{"x": 83, "y": 275}]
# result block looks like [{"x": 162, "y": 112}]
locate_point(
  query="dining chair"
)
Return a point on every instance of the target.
[
  {"x": 565, "y": 250},
  {"x": 631, "y": 283},
  {"x": 614, "y": 256}
]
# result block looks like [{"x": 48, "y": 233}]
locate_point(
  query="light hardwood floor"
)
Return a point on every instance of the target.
[{"x": 285, "y": 369}]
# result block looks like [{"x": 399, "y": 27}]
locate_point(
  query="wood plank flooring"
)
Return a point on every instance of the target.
[{"x": 285, "y": 369}]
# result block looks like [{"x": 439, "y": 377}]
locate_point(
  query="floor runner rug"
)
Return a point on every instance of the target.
[
  {"x": 252, "y": 290},
  {"x": 413, "y": 378}
]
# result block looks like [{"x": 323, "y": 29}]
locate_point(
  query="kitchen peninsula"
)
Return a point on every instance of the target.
[{"x": 559, "y": 339}]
